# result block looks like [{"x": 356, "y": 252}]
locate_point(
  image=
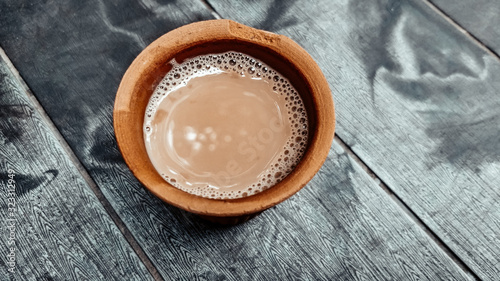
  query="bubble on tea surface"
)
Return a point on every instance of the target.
[{"x": 244, "y": 65}]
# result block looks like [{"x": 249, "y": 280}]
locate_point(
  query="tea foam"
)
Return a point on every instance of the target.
[{"x": 215, "y": 149}]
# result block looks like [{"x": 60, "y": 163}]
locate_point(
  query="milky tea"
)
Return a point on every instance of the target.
[{"x": 225, "y": 126}]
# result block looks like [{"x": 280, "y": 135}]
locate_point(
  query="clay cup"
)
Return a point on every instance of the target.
[{"x": 217, "y": 36}]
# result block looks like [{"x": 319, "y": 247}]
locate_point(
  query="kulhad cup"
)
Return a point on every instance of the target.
[{"x": 217, "y": 36}]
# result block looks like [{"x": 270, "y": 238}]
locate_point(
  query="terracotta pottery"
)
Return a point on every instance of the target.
[{"x": 216, "y": 36}]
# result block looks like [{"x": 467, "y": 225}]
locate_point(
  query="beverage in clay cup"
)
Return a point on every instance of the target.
[{"x": 224, "y": 126}]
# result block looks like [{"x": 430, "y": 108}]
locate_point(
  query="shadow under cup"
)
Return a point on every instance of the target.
[{"x": 211, "y": 37}]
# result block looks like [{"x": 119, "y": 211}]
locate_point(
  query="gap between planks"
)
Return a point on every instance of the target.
[
  {"x": 455, "y": 24},
  {"x": 401, "y": 204},
  {"x": 83, "y": 172},
  {"x": 211, "y": 8}
]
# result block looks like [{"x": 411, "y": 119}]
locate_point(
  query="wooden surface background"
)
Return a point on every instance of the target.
[
  {"x": 479, "y": 18},
  {"x": 61, "y": 231},
  {"x": 410, "y": 190}
]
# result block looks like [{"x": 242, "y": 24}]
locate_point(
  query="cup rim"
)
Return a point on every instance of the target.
[{"x": 173, "y": 42}]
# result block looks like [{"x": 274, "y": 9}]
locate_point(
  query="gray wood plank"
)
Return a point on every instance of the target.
[
  {"x": 480, "y": 17},
  {"x": 53, "y": 226},
  {"x": 416, "y": 100},
  {"x": 342, "y": 226}
]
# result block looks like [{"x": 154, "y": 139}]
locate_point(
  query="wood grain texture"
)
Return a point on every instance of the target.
[
  {"x": 416, "y": 100},
  {"x": 61, "y": 231},
  {"x": 342, "y": 226},
  {"x": 480, "y": 18}
]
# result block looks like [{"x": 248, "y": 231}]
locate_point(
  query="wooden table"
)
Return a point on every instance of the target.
[{"x": 410, "y": 190}]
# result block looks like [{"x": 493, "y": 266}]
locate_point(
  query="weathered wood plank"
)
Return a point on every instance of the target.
[
  {"x": 342, "y": 226},
  {"x": 416, "y": 100},
  {"x": 480, "y": 17},
  {"x": 53, "y": 227}
]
